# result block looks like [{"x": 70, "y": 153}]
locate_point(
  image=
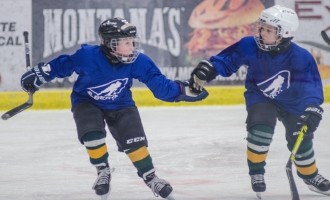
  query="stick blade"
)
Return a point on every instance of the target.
[
  {"x": 16, "y": 110},
  {"x": 293, "y": 187}
]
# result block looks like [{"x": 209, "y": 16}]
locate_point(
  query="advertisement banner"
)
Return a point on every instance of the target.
[
  {"x": 15, "y": 17},
  {"x": 175, "y": 34}
]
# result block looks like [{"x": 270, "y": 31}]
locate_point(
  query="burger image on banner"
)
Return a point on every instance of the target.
[{"x": 220, "y": 23}]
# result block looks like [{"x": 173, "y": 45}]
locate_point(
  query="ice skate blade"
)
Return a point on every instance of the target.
[
  {"x": 258, "y": 194},
  {"x": 170, "y": 197},
  {"x": 312, "y": 188}
]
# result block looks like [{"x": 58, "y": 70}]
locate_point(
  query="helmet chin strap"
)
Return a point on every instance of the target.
[
  {"x": 283, "y": 45},
  {"x": 112, "y": 58},
  {"x": 121, "y": 57}
]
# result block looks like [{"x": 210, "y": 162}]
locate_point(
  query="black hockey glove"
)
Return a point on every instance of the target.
[
  {"x": 188, "y": 95},
  {"x": 34, "y": 78},
  {"x": 203, "y": 73},
  {"x": 311, "y": 117}
]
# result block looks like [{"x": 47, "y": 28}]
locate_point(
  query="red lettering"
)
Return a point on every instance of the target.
[{"x": 304, "y": 9}]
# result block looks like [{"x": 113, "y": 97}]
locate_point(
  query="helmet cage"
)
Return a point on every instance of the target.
[
  {"x": 112, "y": 45},
  {"x": 260, "y": 41}
]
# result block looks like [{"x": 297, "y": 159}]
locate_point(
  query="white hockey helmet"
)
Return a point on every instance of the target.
[{"x": 284, "y": 19}]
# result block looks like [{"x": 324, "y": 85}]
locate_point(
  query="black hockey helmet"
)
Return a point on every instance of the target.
[{"x": 112, "y": 30}]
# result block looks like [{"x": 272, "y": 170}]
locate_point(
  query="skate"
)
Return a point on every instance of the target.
[
  {"x": 102, "y": 183},
  {"x": 159, "y": 187},
  {"x": 318, "y": 184},
  {"x": 258, "y": 184}
]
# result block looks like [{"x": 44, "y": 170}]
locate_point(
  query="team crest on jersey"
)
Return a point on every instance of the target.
[
  {"x": 276, "y": 84},
  {"x": 108, "y": 91}
]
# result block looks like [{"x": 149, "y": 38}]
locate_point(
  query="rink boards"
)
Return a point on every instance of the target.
[{"x": 60, "y": 99}]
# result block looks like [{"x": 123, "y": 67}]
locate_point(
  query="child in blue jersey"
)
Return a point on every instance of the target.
[
  {"x": 283, "y": 83},
  {"x": 102, "y": 95}
]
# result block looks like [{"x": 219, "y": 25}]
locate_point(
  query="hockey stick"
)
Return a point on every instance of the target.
[
  {"x": 325, "y": 37},
  {"x": 288, "y": 168},
  {"x": 29, "y": 102}
]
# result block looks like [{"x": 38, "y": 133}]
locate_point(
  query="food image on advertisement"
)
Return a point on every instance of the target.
[{"x": 220, "y": 23}]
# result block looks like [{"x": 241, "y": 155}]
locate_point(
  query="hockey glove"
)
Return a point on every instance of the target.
[
  {"x": 311, "y": 117},
  {"x": 203, "y": 73},
  {"x": 34, "y": 78},
  {"x": 186, "y": 94}
]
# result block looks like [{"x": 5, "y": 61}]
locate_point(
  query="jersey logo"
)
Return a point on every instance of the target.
[
  {"x": 108, "y": 91},
  {"x": 276, "y": 84}
]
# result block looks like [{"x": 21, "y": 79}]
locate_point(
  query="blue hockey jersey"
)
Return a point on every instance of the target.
[
  {"x": 109, "y": 86},
  {"x": 289, "y": 79}
]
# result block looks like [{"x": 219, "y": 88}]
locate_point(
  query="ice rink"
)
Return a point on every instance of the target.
[{"x": 199, "y": 150}]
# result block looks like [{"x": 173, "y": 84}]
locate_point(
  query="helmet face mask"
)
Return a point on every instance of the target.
[
  {"x": 267, "y": 36},
  {"x": 119, "y": 41},
  {"x": 284, "y": 19},
  {"x": 126, "y": 50}
]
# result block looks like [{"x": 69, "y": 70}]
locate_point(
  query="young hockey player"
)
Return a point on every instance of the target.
[
  {"x": 282, "y": 82},
  {"x": 102, "y": 95}
]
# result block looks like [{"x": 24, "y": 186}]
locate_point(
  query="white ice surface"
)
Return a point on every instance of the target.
[{"x": 199, "y": 150}]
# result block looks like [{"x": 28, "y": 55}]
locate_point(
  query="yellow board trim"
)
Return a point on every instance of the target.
[
  {"x": 307, "y": 170},
  {"x": 138, "y": 154},
  {"x": 97, "y": 153},
  {"x": 256, "y": 158},
  {"x": 60, "y": 99}
]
